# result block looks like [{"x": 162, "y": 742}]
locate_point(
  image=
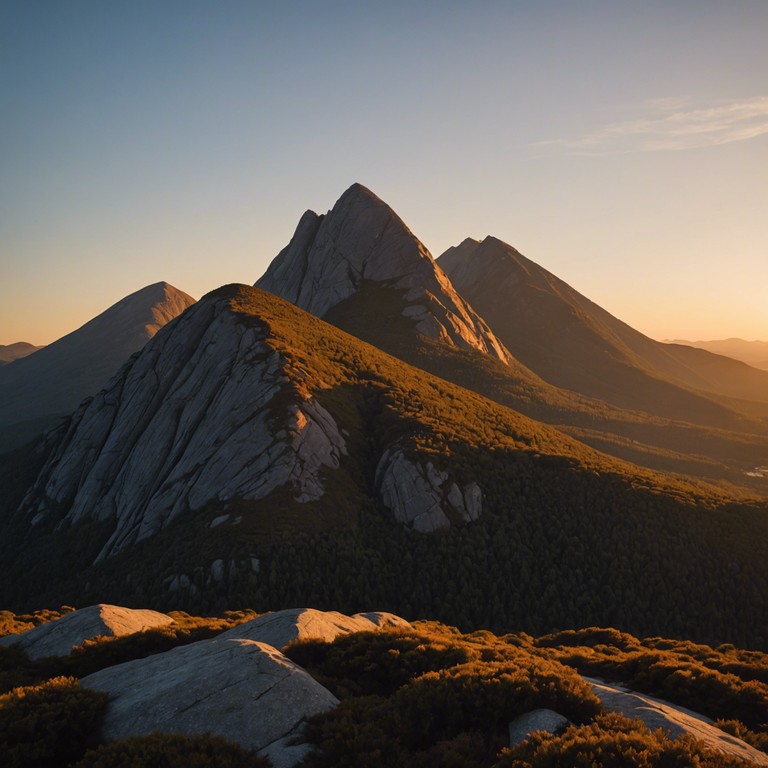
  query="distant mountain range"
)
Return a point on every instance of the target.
[
  {"x": 370, "y": 427},
  {"x": 755, "y": 353},
  {"x": 38, "y": 389},
  {"x": 11, "y": 352}
]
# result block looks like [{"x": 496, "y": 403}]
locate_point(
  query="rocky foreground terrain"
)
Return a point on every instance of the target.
[{"x": 284, "y": 686}]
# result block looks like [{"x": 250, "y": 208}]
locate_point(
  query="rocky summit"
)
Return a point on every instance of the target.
[
  {"x": 189, "y": 421},
  {"x": 363, "y": 242}
]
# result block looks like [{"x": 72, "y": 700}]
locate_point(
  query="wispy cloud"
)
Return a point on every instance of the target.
[{"x": 672, "y": 124}]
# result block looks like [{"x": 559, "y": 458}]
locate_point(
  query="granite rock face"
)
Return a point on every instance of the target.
[
  {"x": 58, "y": 638},
  {"x": 677, "y": 721},
  {"x": 37, "y": 390},
  {"x": 207, "y": 412},
  {"x": 363, "y": 240},
  {"x": 537, "y": 720},
  {"x": 283, "y": 627},
  {"x": 419, "y": 496},
  {"x": 244, "y": 691}
]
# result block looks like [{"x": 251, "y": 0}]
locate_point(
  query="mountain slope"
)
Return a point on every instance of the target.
[
  {"x": 254, "y": 454},
  {"x": 361, "y": 241},
  {"x": 694, "y": 434},
  {"x": 36, "y": 390},
  {"x": 575, "y": 344}
]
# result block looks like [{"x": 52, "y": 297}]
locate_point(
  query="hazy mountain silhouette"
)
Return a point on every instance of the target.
[
  {"x": 19, "y": 349},
  {"x": 37, "y": 390},
  {"x": 572, "y": 342},
  {"x": 754, "y": 353}
]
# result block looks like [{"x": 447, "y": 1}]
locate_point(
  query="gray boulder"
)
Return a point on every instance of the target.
[
  {"x": 58, "y": 638},
  {"x": 656, "y": 713},
  {"x": 382, "y": 619},
  {"x": 283, "y": 627},
  {"x": 241, "y": 690},
  {"x": 537, "y": 720}
]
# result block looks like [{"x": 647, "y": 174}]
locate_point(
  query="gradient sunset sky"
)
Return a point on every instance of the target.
[{"x": 621, "y": 145}]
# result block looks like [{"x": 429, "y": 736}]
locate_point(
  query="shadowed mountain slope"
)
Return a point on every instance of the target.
[
  {"x": 37, "y": 390},
  {"x": 573, "y": 343},
  {"x": 254, "y": 454}
]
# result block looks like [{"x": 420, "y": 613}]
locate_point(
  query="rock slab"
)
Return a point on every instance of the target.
[
  {"x": 244, "y": 691},
  {"x": 283, "y": 627},
  {"x": 537, "y": 720},
  {"x": 656, "y": 713},
  {"x": 58, "y": 638}
]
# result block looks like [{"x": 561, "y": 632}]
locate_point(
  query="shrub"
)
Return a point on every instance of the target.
[
  {"x": 612, "y": 741},
  {"x": 162, "y": 750},
  {"x": 49, "y": 724}
]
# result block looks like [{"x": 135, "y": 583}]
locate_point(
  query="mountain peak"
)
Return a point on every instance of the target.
[{"x": 362, "y": 243}]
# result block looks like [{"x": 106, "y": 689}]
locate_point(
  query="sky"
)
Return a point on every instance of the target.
[{"x": 623, "y": 145}]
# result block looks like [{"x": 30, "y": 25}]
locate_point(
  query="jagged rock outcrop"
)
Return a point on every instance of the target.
[
  {"x": 537, "y": 720},
  {"x": 420, "y": 496},
  {"x": 362, "y": 240},
  {"x": 58, "y": 638},
  {"x": 207, "y": 412},
  {"x": 35, "y": 391},
  {"x": 244, "y": 691},
  {"x": 656, "y": 713},
  {"x": 286, "y": 626}
]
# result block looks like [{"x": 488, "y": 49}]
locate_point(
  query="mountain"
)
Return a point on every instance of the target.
[
  {"x": 37, "y": 390},
  {"x": 754, "y": 353},
  {"x": 688, "y": 432},
  {"x": 362, "y": 244},
  {"x": 252, "y": 453},
  {"x": 11, "y": 352},
  {"x": 572, "y": 342}
]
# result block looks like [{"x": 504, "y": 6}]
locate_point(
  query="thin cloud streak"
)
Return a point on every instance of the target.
[{"x": 673, "y": 127}]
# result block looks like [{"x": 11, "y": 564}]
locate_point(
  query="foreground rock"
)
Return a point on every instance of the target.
[
  {"x": 283, "y": 627},
  {"x": 58, "y": 638},
  {"x": 537, "y": 720},
  {"x": 677, "y": 721},
  {"x": 244, "y": 691}
]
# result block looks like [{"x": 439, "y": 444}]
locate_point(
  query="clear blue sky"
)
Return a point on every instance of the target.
[{"x": 622, "y": 145}]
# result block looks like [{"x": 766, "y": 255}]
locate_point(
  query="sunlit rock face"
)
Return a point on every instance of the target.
[
  {"x": 677, "y": 721},
  {"x": 363, "y": 240},
  {"x": 295, "y": 624},
  {"x": 58, "y": 638},
  {"x": 206, "y": 413}
]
